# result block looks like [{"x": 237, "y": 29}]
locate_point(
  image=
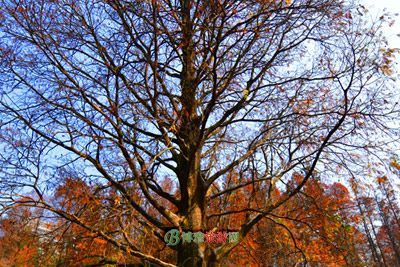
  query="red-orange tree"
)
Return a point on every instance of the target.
[
  {"x": 123, "y": 93},
  {"x": 19, "y": 246},
  {"x": 318, "y": 226}
]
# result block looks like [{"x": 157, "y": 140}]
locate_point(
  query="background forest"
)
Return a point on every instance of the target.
[{"x": 325, "y": 225}]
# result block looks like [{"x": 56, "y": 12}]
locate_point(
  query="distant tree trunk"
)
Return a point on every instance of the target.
[
  {"x": 372, "y": 246},
  {"x": 391, "y": 200},
  {"x": 389, "y": 233}
]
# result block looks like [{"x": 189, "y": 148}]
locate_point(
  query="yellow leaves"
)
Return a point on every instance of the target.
[
  {"x": 395, "y": 164},
  {"x": 128, "y": 250},
  {"x": 387, "y": 70},
  {"x": 288, "y": 2},
  {"x": 117, "y": 201},
  {"x": 388, "y": 55},
  {"x": 245, "y": 94},
  {"x": 173, "y": 128}
]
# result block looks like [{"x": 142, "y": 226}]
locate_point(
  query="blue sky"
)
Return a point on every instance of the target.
[{"x": 377, "y": 8}]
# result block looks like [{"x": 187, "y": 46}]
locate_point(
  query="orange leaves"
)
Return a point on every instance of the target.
[
  {"x": 99, "y": 241},
  {"x": 297, "y": 177},
  {"x": 18, "y": 246},
  {"x": 302, "y": 106},
  {"x": 381, "y": 180},
  {"x": 340, "y": 189},
  {"x": 318, "y": 222},
  {"x": 20, "y": 9},
  {"x": 74, "y": 193},
  {"x": 320, "y": 208},
  {"x": 117, "y": 200}
]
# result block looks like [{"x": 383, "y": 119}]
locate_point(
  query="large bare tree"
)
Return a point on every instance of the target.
[{"x": 125, "y": 94}]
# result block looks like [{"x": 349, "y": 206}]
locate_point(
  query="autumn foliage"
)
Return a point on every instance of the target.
[{"x": 324, "y": 225}]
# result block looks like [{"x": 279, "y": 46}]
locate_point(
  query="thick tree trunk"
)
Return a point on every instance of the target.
[
  {"x": 193, "y": 255},
  {"x": 192, "y": 184},
  {"x": 192, "y": 209},
  {"x": 190, "y": 255}
]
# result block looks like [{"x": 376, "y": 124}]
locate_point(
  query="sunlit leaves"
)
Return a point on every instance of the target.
[
  {"x": 395, "y": 164},
  {"x": 388, "y": 56}
]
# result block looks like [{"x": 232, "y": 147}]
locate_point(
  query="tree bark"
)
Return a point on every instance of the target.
[{"x": 192, "y": 185}]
